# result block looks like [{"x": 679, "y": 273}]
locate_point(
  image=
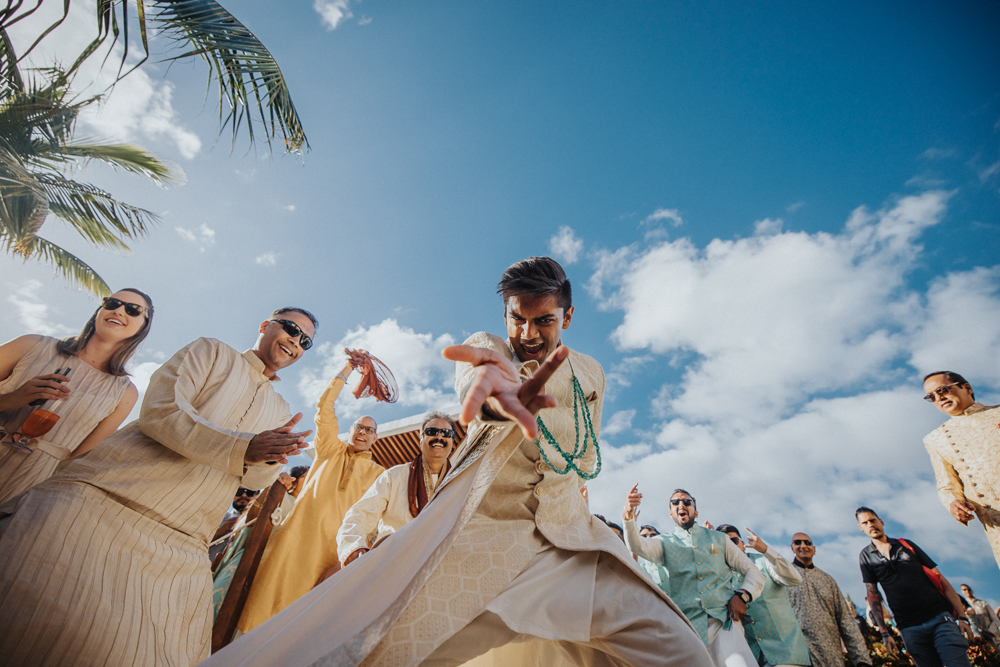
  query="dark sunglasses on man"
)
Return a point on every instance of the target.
[
  {"x": 940, "y": 392},
  {"x": 432, "y": 432},
  {"x": 131, "y": 309},
  {"x": 293, "y": 330},
  {"x": 797, "y": 543},
  {"x": 677, "y": 501},
  {"x": 245, "y": 492}
]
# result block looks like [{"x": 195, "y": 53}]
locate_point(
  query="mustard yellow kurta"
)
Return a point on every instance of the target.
[
  {"x": 95, "y": 395},
  {"x": 965, "y": 454},
  {"x": 305, "y": 545},
  {"x": 106, "y": 563},
  {"x": 505, "y": 551}
]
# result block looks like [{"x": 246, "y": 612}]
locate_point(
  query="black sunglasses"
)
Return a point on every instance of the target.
[
  {"x": 293, "y": 330},
  {"x": 735, "y": 540},
  {"x": 677, "y": 501},
  {"x": 245, "y": 492},
  {"x": 808, "y": 543},
  {"x": 131, "y": 309},
  {"x": 432, "y": 432}
]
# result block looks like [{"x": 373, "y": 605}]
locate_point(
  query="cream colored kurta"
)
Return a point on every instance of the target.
[
  {"x": 506, "y": 548},
  {"x": 304, "y": 546},
  {"x": 965, "y": 454},
  {"x": 106, "y": 563},
  {"x": 384, "y": 509},
  {"x": 95, "y": 395}
]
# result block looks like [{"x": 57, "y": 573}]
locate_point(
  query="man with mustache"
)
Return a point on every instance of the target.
[
  {"x": 700, "y": 565},
  {"x": 965, "y": 453},
  {"x": 303, "y": 546},
  {"x": 824, "y": 615},
  {"x": 106, "y": 563},
  {"x": 399, "y": 493}
]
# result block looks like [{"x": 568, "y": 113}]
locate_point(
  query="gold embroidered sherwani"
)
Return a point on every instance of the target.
[
  {"x": 106, "y": 563},
  {"x": 305, "y": 544},
  {"x": 965, "y": 453},
  {"x": 506, "y": 551}
]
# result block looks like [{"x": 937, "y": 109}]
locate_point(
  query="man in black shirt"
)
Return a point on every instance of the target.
[{"x": 923, "y": 614}]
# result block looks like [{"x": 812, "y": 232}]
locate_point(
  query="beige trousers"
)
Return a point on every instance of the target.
[{"x": 631, "y": 626}]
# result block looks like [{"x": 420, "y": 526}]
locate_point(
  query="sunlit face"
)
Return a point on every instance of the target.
[
  {"x": 738, "y": 541},
  {"x": 117, "y": 325},
  {"x": 683, "y": 513},
  {"x": 871, "y": 525},
  {"x": 535, "y": 325},
  {"x": 804, "y": 552},
  {"x": 362, "y": 435},
  {"x": 275, "y": 347},
  {"x": 957, "y": 398},
  {"x": 967, "y": 592},
  {"x": 436, "y": 449}
]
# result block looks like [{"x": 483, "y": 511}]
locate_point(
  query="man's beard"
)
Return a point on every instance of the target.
[{"x": 686, "y": 524}]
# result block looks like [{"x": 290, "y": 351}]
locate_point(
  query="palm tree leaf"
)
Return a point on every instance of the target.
[
  {"x": 94, "y": 213},
  {"x": 243, "y": 68},
  {"x": 73, "y": 269},
  {"x": 124, "y": 156},
  {"x": 10, "y": 76}
]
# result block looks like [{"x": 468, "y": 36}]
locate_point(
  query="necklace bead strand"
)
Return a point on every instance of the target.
[{"x": 579, "y": 448}]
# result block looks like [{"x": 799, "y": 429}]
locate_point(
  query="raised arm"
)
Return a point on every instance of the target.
[
  {"x": 753, "y": 580},
  {"x": 649, "y": 548},
  {"x": 327, "y": 427},
  {"x": 780, "y": 569}
]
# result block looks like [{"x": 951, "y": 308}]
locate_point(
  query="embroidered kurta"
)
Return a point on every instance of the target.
[
  {"x": 94, "y": 395},
  {"x": 112, "y": 551},
  {"x": 503, "y": 534},
  {"x": 384, "y": 509},
  {"x": 304, "y": 546},
  {"x": 965, "y": 454},
  {"x": 825, "y": 619},
  {"x": 700, "y": 564},
  {"x": 657, "y": 573},
  {"x": 775, "y": 631}
]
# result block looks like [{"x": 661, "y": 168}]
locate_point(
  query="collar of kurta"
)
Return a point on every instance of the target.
[
  {"x": 974, "y": 408},
  {"x": 258, "y": 365},
  {"x": 348, "y": 471},
  {"x": 799, "y": 563},
  {"x": 680, "y": 532}
]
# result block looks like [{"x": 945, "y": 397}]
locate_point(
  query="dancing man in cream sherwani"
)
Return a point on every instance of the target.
[
  {"x": 106, "y": 563},
  {"x": 505, "y": 564},
  {"x": 965, "y": 453}
]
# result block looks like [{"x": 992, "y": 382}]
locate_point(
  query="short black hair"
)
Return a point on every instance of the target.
[
  {"x": 728, "y": 528},
  {"x": 298, "y": 471},
  {"x": 866, "y": 510},
  {"x": 601, "y": 517},
  {"x": 536, "y": 276},
  {"x": 952, "y": 378},
  {"x": 293, "y": 309},
  {"x": 649, "y": 527},
  {"x": 676, "y": 491},
  {"x": 615, "y": 526}
]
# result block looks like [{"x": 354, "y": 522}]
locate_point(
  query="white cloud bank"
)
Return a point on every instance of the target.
[
  {"x": 800, "y": 398},
  {"x": 565, "y": 246}
]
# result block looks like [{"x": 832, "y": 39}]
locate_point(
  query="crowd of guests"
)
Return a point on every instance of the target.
[{"x": 79, "y": 523}]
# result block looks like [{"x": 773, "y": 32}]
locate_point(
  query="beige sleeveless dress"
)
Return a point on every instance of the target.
[{"x": 95, "y": 395}]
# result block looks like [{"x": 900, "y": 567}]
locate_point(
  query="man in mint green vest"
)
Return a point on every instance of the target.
[
  {"x": 775, "y": 637},
  {"x": 700, "y": 564}
]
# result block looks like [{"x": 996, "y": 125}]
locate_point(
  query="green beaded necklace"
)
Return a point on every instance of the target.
[{"x": 579, "y": 449}]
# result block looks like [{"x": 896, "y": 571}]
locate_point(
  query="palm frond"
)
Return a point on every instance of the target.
[
  {"x": 94, "y": 213},
  {"x": 123, "y": 156},
  {"x": 73, "y": 269},
  {"x": 10, "y": 75},
  {"x": 245, "y": 71}
]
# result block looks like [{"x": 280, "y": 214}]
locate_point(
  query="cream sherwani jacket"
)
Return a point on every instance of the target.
[
  {"x": 497, "y": 509},
  {"x": 112, "y": 552},
  {"x": 965, "y": 454}
]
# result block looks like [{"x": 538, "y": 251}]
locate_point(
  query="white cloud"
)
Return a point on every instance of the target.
[
  {"x": 938, "y": 153},
  {"x": 333, "y": 12},
  {"x": 267, "y": 259},
  {"x": 425, "y": 378},
  {"x": 619, "y": 422},
  {"x": 801, "y": 361},
  {"x": 793, "y": 207},
  {"x": 138, "y": 108},
  {"x": 989, "y": 172},
  {"x": 565, "y": 246},
  {"x": 290, "y": 208},
  {"x": 203, "y": 237},
  {"x": 33, "y": 312},
  {"x": 767, "y": 227},
  {"x": 664, "y": 214},
  {"x": 365, "y": 20}
]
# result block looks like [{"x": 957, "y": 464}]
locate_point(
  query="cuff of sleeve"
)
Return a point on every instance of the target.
[{"x": 238, "y": 453}]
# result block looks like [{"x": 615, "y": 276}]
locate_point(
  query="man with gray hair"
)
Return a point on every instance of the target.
[
  {"x": 304, "y": 545},
  {"x": 398, "y": 495}
]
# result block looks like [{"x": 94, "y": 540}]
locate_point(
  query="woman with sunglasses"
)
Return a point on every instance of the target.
[{"x": 92, "y": 399}]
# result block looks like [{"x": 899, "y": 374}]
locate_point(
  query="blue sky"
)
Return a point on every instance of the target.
[{"x": 776, "y": 218}]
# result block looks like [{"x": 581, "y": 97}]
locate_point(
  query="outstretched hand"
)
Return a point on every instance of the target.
[
  {"x": 497, "y": 384},
  {"x": 276, "y": 445},
  {"x": 963, "y": 512},
  {"x": 755, "y": 542},
  {"x": 632, "y": 503}
]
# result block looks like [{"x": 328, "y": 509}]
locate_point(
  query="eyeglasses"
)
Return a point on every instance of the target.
[
  {"x": 245, "y": 492},
  {"x": 940, "y": 392},
  {"x": 131, "y": 309},
  {"x": 808, "y": 543},
  {"x": 361, "y": 427},
  {"x": 432, "y": 432},
  {"x": 735, "y": 540},
  {"x": 293, "y": 330},
  {"x": 677, "y": 501}
]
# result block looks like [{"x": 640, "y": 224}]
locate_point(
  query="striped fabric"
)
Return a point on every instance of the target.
[
  {"x": 107, "y": 563},
  {"x": 94, "y": 396}
]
